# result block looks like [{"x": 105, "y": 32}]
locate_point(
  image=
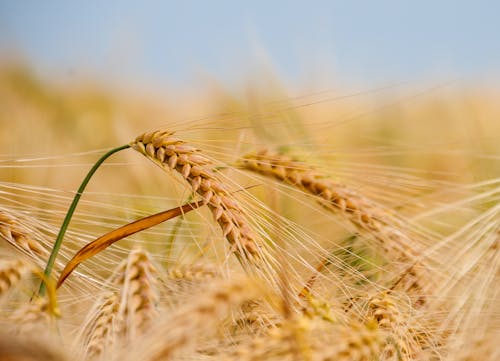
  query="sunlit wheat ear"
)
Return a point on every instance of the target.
[
  {"x": 101, "y": 330},
  {"x": 339, "y": 198},
  {"x": 11, "y": 273},
  {"x": 173, "y": 154},
  {"x": 200, "y": 317},
  {"x": 136, "y": 279},
  {"x": 19, "y": 236},
  {"x": 333, "y": 195}
]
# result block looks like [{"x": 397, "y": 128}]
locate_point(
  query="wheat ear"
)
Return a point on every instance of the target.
[
  {"x": 19, "y": 236},
  {"x": 100, "y": 331},
  {"x": 136, "y": 278},
  {"x": 173, "y": 154},
  {"x": 127, "y": 312},
  {"x": 336, "y": 197},
  {"x": 11, "y": 273}
]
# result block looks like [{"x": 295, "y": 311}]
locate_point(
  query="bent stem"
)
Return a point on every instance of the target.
[{"x": 69, "y": 214}]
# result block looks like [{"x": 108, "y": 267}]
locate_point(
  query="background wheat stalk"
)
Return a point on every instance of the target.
[{"x": 394, "y": 243}]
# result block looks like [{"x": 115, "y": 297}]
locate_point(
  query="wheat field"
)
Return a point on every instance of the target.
[{"x": 248, "y": 225}]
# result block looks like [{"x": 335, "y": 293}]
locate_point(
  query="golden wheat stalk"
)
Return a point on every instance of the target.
[
  {"x": 173, "y": 154},
  {"x": 336, "y": 197},
  {"x": 185, "y": 277}
]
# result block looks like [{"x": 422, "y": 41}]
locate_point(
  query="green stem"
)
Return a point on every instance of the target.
[{"x": 69, "y": 214}]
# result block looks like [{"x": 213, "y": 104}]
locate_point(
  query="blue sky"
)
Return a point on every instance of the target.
[{"x": 177, "y": 42}]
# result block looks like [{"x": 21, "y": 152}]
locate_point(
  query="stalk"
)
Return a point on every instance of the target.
[{"x": 62, "y": 231}]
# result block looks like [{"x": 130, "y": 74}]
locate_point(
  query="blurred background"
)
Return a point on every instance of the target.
[
  {"x": 402, "y": 84},
  {"x": 177, "y": 44}
]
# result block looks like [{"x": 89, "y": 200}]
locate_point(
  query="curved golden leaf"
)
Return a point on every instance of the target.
[{"x": 103, "y": 242}]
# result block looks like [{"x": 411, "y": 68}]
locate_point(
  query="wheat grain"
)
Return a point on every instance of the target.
[{"x": 11, "y": 273}]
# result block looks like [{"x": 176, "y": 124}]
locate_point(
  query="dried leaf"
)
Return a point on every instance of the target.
[{"x": 108, "y": 239}]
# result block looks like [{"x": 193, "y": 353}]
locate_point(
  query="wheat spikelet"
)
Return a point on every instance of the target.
[
  {"x": 135, "y": 277},
  {"x": 11, "y": 273},
  {"x": 127, "y": 312},
  {"x": 337, "y": 197},
  {"x": 182, "y": 280},
  {"x": 181, "y": 328},
  {"x": 174, "y": 154},
  {"x": 386, "y": 311},
  {"x": 13, "y": 232},
  {"x": 100, "y": 331},
  {"x": 192, "y": 273}
]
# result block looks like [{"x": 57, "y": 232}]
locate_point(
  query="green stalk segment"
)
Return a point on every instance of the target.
[{"x": 69, "y": 214}]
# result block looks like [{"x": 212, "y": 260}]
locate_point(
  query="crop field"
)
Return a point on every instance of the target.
[{"x": 248, "y": 224}]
